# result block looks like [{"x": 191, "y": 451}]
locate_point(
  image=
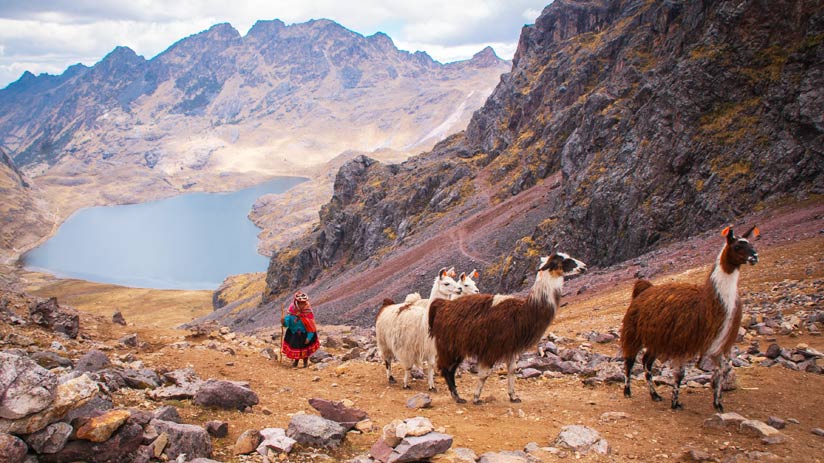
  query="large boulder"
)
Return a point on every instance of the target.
[
  {"x": 70, "y": 395},
  {"x": 225, "y": 394},
  {"x": 184, "y": 385},
  {"x": 187, "y": 439},
  {"x": 25, "y": 387},
  {"x": 93, "y": 360},
  {"x": 315, "y": 431},
  {"x": 417, "y": 448},
  {"x": 51, "y": 315}
]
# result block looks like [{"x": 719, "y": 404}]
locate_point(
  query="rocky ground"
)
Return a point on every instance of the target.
[{"x": 777, "y": 380}]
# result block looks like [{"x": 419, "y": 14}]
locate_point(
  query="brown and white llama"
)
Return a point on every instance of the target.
[
  {"x": 495, "y": 328},
  {"x": 402, "y": 330},
  {"x": 679, "y": 321}
]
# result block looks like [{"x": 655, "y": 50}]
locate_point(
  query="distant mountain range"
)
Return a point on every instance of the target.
[{"x": 218, "y": 110}]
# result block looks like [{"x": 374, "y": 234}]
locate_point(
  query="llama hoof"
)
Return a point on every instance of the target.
[
  {"x": 718, "y": 407},
  {"x": 515, "y": 400},
  {"x": 677, "y": 406},
  {"x": 433, "y": 389},
  {"x": 656, "y": 397},
  {"x": 460, "y": 400},
  {"x": 406, "y": 386},
  {"x": 627, "y": 392},
  {"x": 392, "y": 380}
]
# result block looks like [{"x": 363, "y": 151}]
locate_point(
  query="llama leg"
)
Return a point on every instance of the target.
[
  {"x": 389, "y": 377},
  {"x": 629, "y": 362},
  {"x": 721, "y": 370},
  {"x": 649, "y": 360},
  {"x": 406, "y": 377},
  {"x": 510, "y": 381},
  {"x": 430, "y": 370},
  {"x": 483, "y": 374},
  {"x": 449, "y": 375},
  {"x": 679, "y": 376}
]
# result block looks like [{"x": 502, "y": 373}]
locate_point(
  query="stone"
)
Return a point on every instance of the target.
[
  {"x": 338, "y": 412},
  {"x": 275, "y": 439},
  {"x": 416, "y": 448},
  {"x": 167, "y": 413},
  {"x": 12, "y": 449},
  {"x": 527, "y": 373},
  {"x": 464, "y": 455},
  {"x": 581, "y": 439},
  {"x": 247, "y": 442},
  {"x": 25, "y": 387},
  {"x": 117, "y": 318},
  {"x": 72, "y": 394},
  {"x": 776, "y": 422},
  {"x": 159, "y": 444},
  {"x": 723, "y": 420},
  {"x": 773, "y": 351},
  {"x": 125, "y": 441},
  {"x": 504, "y": 457},
  {"x": 140, "y": 379},
  {"x": 51, "y": 315},
  {"x": 365, "y": 426},
  {"x": 50, "y": 439},
  {"x": 130, "y": 340},
  {"x": 381, "y": 451},
  {"x": 225, "y": 394},
  {"x": 217, "y": 428},
  {"x": 390, "y": 433},
  {"x": 100, "y": 428},
  {"x": 315, "y": 431},
  {"x": 817, "y": 431},
  {"x": 756, "y": 428},
  {"x": 93, "y": 360},
  {"x": 698, "y": 455},
  {"x": 608, "y": 417},
  {"x": 191, "y": 440},
  {"x": 421, "y": 400},
  {"x": 774, "y": 439},
  {"x": 417, "y": 426},
  {"x": 50, "y": 360}
]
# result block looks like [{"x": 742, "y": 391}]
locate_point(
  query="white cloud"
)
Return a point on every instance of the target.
[{"x": 50, "y": 35}]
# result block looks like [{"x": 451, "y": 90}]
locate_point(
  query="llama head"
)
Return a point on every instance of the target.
[
  {"x": 559, "y": 264},
  {"x": 444, "y": 286},
  {"x": 738, "y": 249},
  {"x": 467, "y": 283}
]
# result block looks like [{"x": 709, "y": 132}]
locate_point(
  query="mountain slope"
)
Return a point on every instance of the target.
[{"x": 659, "y": 120}]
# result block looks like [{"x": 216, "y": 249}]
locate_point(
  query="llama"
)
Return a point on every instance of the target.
[
  {"x": 467, "y": 283},
  {"x": 678, "y": 321},
  {"x": 495, "y": 328},
  {"x": 402, "y": 331}
]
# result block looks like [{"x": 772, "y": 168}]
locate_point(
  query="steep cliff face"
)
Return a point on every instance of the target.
[
  {"x": 657, "y": 120},
  {"x": 22, "y": 209}
]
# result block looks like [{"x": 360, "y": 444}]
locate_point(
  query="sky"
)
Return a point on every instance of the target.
[{"x": 50, "y": 35}]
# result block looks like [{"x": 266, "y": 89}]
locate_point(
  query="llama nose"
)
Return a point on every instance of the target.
[{"x": 753, "y": 259}]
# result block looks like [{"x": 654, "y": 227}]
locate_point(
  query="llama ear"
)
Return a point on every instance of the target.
[
  {"x": 463, "y": 276},
  {"x": 474, "y": 274},
  {"x": 451, "y": 272},
  {"x": 726, "y": 231},
  {"x": 443, "y": 273},
  {"x": 754, "y": 231}
]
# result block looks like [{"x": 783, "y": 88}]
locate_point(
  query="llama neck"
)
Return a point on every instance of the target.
[
  {"x": 724, "y": 285},
  {"x": 435, "y": 293},
  {"x": 546, "y": 292}
]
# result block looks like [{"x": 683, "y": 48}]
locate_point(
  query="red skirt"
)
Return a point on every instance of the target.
[{"x": 299, "y": 351}]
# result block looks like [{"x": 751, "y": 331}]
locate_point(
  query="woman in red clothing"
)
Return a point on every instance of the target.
[{"x": 301, "y": 338}]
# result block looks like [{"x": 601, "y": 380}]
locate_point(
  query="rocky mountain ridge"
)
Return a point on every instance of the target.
[{"x": 622, "y": 126}]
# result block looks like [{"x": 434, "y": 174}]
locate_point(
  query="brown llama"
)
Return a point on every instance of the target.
[
  {"x": 494, "y": 328},
  {"x": 679, "y": 321}
]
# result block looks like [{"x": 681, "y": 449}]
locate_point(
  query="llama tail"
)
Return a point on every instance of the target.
[
  {"x": 640, "y": 287},
  {"x": 412, "y": 298}
]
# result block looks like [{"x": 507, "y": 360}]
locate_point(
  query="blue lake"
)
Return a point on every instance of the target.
[{"x": 191, "y": 241}]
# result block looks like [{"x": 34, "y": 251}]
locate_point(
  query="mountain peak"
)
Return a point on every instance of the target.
[{"x": 486, "y": 58}]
